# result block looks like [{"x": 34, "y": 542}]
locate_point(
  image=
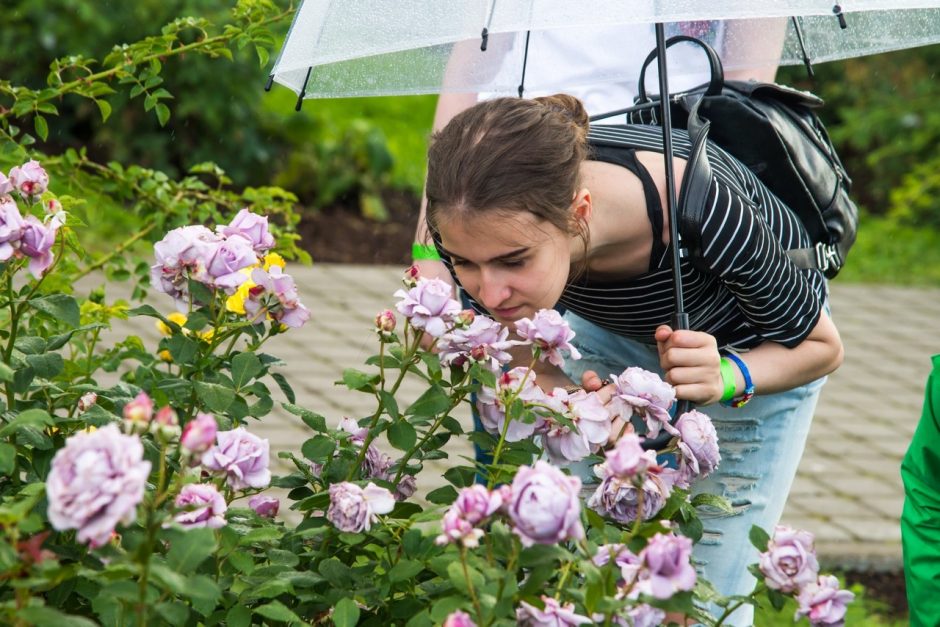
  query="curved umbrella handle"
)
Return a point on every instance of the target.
[{"x": 715, "y": 83}]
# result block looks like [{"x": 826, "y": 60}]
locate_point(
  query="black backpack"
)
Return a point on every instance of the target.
[{"x": 774, "y": 131}]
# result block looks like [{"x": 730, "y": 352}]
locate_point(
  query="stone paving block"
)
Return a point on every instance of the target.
[
  {"x": 824, "y": 531},
  {"x": 875, "y": 530},
  {"x": 856, "y": 484}
]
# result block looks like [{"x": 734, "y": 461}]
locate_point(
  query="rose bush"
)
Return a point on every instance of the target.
[{"x": 133, "y": 492}]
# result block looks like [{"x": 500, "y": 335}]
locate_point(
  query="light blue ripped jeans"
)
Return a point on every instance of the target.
[{"x": 760, "y": 444}]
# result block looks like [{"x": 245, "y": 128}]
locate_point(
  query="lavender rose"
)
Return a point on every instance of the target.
[
  {"x": 790, "y": 560},
  {"x": 201, "y": 505},
  {"x": 667, "y": 567},
  {"x": 183, "y": 253},
  {"x": 36, "y": 240},
  {"x": 472, "y": 507},
  {"x": 620, "y": 499},
  {"x": 553, "y": 615},
  {"x": 483, "y": 340},
  {"x": 628, "y": 459},
  {"x": 590, "y": 418},
  {"x": 264, "y": 506},
  {"x": 96, "y": 481},
  {"x": 286, "y": 307},
  {"x": 642, "y": 392},
  {"x": 545, "y": 507},
  {"x": 231, "y": 256},
  {"x": 251, "y": 227},
  {"x": 354, "y": 509},
  {"x": 459, "y": 619},
  {"x": 642, "y": 615},
  {"x": 30, "y": 180},
  {"x": 823, "y": 602},
  {"x": 429, "y": 306},
  {"x": 492, "y": 406},
  {"x": 5, "y": 185},
  {"x": 242, "y": 456},
  {"x": 624, "y": 558},
  {"x": 698, "y": 446},
  {"x": 11, "y": 227},
  {"x": 550, "y": 333}
]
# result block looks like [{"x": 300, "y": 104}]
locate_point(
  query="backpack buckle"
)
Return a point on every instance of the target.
[{"x": 827, "y": 256}]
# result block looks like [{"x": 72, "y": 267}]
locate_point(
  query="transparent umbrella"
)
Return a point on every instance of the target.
[{"x": 375, "y": 47}]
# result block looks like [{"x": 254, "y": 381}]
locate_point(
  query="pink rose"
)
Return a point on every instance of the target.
[
  {"x": 264, "y": 506},
  {"x": 182, "y": 254},
  {"x": 86, "y": 401},
  {"x": 242, "y": 456},
  {"x": 278, "y": 296},
  {"x": 823, "y": 602},
  {"x": 165, "y": 423},
  {"x": 429, "y": 306},
  {"x": 30, "y": 180},
  {"x": 620, "y": 499},
  {"x": 251, "y": 227},
  {"x": 201, "y": 505},
  {"x": 546, "y": 506},
  {"x": 385, "y": 323},
  {"x": 643, "y": 393},
  {"x": 790, "y": 560},
  {"x": 36, "y": 240},
  {"x": 482, "y": 340},
  {"x": 627, "y": 459},
  {"x": 5, "y": 185},
  {"x": 491, "y": 404},
  {"x": 11, "y": 226},
  {"x": 97, "y": 479},
  {"x": 138, "y": 413},
  {"x": 550, "y": 333},
  {"x": 591, "y": 419},
  {"x": 698, "y": 446},
  {"x": 458, "y": 619},
  {"x": 354, "y": 509},
  {"x": 471, "y": 508},
  {"x": 667, "y": 566},
  {"x": 199, "y": 433},
  {"x": 553, "y": 615}
]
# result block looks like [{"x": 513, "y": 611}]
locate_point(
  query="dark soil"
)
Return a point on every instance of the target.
[
  {"x": 886, "y": 588},
  {"x": 340, "y": 233}
]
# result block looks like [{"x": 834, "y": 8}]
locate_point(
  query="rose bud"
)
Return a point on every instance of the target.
[
  {"x": 264, "y": 506},
  {"x": 199, "y": 433},
  {"x": 138, "y": 412}
]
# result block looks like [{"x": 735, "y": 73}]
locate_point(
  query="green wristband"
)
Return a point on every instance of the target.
[
  {"x": 424, "y": 251},
  {"x": 727, "y": 379}
]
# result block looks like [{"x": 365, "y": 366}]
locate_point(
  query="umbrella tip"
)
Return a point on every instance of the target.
[
  {"x": 837, "y": 11},
  {"x": 269, "y": 83},
  {"x": 300, "y": 101},
  {"x": 485, "y": 35}
]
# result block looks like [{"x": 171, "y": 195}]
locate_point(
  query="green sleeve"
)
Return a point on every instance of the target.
[{"x": 920, "y": 519}]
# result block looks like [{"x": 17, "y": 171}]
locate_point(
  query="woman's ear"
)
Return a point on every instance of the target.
[{"x": 582, "y": 206}]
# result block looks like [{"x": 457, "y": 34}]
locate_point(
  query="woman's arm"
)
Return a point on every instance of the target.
[{"x": 691, "y": 362}]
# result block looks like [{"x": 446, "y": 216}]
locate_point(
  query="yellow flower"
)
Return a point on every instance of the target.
[
  {"x": 273, "y": 259},
  {"x": 164, "y": 355},
  {"x": 206, "y": 335},
  {"x": 236, "y": 302},
  {"x": 176, "y": 317}
]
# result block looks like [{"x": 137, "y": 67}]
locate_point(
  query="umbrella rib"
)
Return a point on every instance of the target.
[
  {"x": 485, "y": 35},
  {"x": 525, "y": 61}
]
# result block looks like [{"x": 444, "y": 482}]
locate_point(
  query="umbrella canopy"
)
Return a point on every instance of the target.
[{"x": 375, "y": 47}]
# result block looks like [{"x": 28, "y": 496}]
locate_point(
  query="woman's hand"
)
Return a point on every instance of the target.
[
  {"x": 692, "y": 363},
  {"x": 606, "y": 390}
]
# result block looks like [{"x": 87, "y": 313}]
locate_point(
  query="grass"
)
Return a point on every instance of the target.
[{"x": 892, "y": 253}]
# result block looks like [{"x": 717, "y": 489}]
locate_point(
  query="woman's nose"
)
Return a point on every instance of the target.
[{"x": 493, "y": 292}]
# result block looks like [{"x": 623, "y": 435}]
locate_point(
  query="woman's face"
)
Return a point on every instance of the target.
[{"x": 512, "y": 264}]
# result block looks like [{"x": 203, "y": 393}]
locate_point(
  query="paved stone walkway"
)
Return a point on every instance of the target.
[{"x": 848, "y": 491}]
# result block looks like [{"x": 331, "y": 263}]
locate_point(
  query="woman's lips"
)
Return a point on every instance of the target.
[{"x": 508, "y": 312}]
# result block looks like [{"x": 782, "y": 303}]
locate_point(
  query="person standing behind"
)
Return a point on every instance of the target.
[{"x": 920, "y": 519}]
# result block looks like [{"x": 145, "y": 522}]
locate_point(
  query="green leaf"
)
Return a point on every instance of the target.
[
  {"x": 390, "y": 404},
  {"x": 30, "y": 417},
  {"x": 402, "y": 435},
  {"x": 759, "y": 538},
  {"x": 434, "y": 401},
  {"x": 182, "y": 349},
  {"x": 460, "y": 476},
  {"x": 7, "y": 459},
  {"x": 189, "y": 548},
  {"x": 442, "y": 608},
  {"x": 357, "y": 380},
  {"x": 346, "y": 613},
  {"x": 455, "y": 570},
  {"x": 173, "y": 612},
  {"x": 706, "y": 499},
  {"x": 50, "y": 617},
  {"x": 245, "y": 367},
  {"x": 42, "y": 127},
  {"x": 59, "y": 306},
  {"x": 6, "y": 372},
  {"x": 442, "y": 496},
  {"x": 312, "y": 420},
  {"x": 275, "y": 610},
  {"x": 404, "y": 569},
  {"x": 285, "y": 386},
  {"x": 318, "y": 448},
  {"x": 203, "y": 592},
  {"x": 168, "y": 578},
  {"x": 104, "y": 107},
  {"x": 238, "y": 616},
  {"x": 46, "y": 366},
  {"x": 30, "y": 344},
  {"x": 216, "y": 397}
]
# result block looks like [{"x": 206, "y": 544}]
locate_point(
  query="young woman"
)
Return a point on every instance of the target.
[{"x": 528, "y": 215}]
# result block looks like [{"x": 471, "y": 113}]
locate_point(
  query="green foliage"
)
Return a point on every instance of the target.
[{"x": 892, "y": 253}]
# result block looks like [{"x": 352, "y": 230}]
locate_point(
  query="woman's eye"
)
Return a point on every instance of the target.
[{"x": 513, "y": 263}]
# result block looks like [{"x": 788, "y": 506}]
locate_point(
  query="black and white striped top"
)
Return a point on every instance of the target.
[{"x": 750, "y": 293}]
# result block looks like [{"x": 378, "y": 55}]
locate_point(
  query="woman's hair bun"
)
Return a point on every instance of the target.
[{"x": 569, "y": 106}]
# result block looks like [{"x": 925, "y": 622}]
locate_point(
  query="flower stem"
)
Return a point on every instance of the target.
[{"x": 470, "y": 589}]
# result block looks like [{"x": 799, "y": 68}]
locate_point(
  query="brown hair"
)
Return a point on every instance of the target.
[{"x": 510, "y": 154}]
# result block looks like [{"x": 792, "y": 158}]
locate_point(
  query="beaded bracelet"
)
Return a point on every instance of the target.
[
  {"x": 420, "y": 252},
  {"x": 740, "y": 401}
]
